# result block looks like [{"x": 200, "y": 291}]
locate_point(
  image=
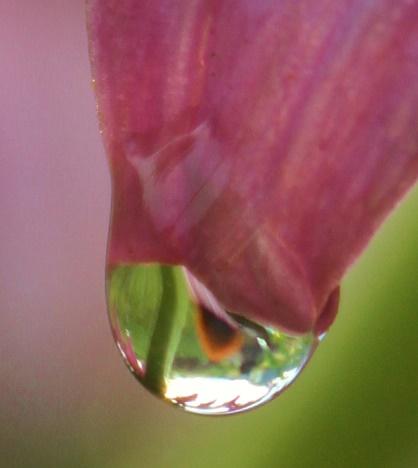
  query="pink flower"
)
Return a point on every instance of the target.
[{"x": 258, "y": 143}]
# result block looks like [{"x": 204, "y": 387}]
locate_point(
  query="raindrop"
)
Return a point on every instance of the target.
[{"x": 185, "y": 348}]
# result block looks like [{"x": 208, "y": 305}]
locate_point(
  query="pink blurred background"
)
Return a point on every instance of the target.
[{"x": 57, "y": 357}]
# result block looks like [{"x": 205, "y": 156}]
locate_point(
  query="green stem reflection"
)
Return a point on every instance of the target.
[{"x": 167, "y": 331}]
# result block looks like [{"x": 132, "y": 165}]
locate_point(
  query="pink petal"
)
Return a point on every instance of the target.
[{"x": 260, "y": 144}]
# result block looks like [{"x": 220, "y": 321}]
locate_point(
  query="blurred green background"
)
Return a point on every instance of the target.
[{"x": 66, "y": 398}]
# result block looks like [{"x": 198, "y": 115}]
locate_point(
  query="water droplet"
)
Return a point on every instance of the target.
[{"x": 186, "y": 349}]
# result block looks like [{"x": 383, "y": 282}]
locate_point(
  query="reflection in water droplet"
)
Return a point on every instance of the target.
[{"x": 181, "y": 345}]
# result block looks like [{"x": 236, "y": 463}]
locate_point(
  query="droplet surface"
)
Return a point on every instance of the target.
[{"x": 186, "y": 349}]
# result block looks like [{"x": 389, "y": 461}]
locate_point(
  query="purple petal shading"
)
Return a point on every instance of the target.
[{"x": 260, "y": 144}]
